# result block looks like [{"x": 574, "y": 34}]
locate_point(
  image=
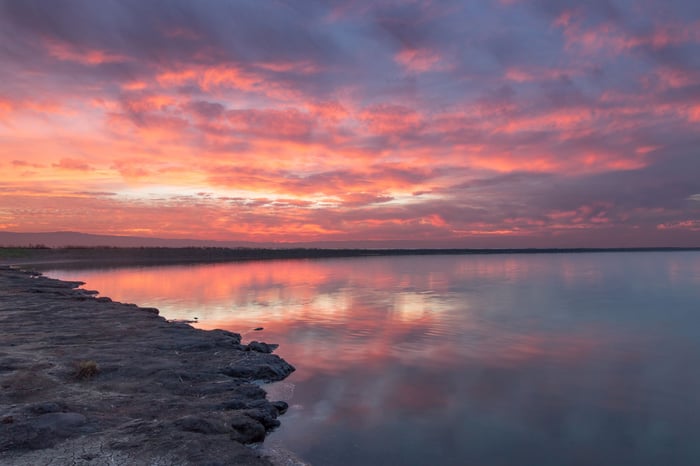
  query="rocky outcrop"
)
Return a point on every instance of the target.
[{"x": 85, "y": 381}]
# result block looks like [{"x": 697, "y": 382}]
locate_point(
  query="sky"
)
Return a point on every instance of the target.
[{"x": 505, "y": 123}]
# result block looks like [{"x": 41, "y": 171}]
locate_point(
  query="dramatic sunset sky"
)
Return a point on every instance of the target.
[{"x": 511, "y": 123}]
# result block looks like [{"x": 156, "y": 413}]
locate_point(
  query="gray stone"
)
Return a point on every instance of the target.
[
  {"x": 261, "y": 347},
  {"x": 270, "y": 370},
  {"x": 161, "y": 397},
  {"x": 46, "y": 407},
  {"x": 247, "y": 429},
  {"x": 60, "y": 423},
  {"x": 201, "y": 425},
  {"x": 281, "y": 406}
]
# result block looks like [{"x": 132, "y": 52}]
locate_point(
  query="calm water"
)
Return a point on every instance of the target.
[{"x": 589, "y": 359}]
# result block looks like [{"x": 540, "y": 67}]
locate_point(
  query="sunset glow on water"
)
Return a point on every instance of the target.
[{"x": 542, "y": 359}]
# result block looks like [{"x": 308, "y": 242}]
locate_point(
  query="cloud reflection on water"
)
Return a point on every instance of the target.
[{"x": 548, "y": 359}]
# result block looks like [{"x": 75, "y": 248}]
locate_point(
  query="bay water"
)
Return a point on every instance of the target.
[{"x": 512, "y": 359}]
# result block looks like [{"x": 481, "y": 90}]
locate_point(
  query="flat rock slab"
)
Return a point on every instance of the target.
[{"x": 86, "y": 381}]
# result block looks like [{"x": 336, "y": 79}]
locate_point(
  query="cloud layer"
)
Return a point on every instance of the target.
[{"x": 512, "y": 123}]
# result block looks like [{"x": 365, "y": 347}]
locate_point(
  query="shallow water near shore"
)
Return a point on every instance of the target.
[{"x": 544, "y": 359}]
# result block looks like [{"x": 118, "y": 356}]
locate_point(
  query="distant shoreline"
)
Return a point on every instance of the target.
[{"x": 86, "y": 257}]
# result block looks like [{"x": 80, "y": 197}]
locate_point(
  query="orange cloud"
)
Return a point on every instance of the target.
[
  {"x": 301, "y": 67},
  {"x": 72, "y": 164},
  {"x": 390, "y": 119},
  {"x": 285, "y": 123},
  {"x": 321, "y": 133},
  {"x": 209, "y": 78}
]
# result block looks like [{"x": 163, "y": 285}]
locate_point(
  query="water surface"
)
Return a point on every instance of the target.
[{"x": 551, "y": 359}]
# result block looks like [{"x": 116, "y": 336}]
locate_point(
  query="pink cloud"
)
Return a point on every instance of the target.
[
  {"x": 86, "y": 56},
  {"x": 421, "y": 60},
  {"x": 72, "y": 164},
  {"x": 379, "y": 120}
]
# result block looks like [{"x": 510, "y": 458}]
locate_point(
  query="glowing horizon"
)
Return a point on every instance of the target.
[{"x": 517, "y": 123}]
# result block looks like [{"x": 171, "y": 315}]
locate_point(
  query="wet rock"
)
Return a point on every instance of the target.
[
  {"x": 257, "y": 403},
  {"x": 60, "y": 423},
  {"x": 274, "y": 409},
  {"x": 22, "y": 437},
  {"x": 247, "y": 429},
  {"x": 215, "y": 388},
  {"x": 262, "y": 411},
  {"x": 42, "y": 432},
  {"x": 235, "y": 338},
  {"x": 281, "y": 406},
  {"x": 267, "y": 416},
  {"x": 271, "y": 369},
  {"x": 201, "y": 425},
  {"x": 261, "y": 347},
  {"x": 160, "y": 397},
  {"x": 65, "y": 284},
  {"x": 250, "y": 391},
  {"x": 198, "y": 345},
  {"x": 233, "y": 404},
  {"x": 46, "y": 407},
  {"x": 247, "y": 396}
]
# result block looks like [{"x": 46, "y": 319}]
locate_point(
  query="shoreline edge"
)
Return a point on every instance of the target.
[{"x": 90, "y": 381}]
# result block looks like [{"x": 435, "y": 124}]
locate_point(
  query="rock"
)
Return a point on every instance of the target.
[
  {"x": 247, "y": 429},
  {"x": 250, "y": 391},
  {"x": 273, "y": 409},
  {"x": 269, "y": 370},
  {"x": 261, "y": 403},
  {"x": 229, "y": 337},
  {"x": 262, "y": 411},
  {"x": 60, "y": 423},
  {"x": 160, "y": 398},
  {"x": 281, "y": 406},
  {"x": 267, "y": 416},
  {"x": 21, "y": 437},
  {"x": 261, "y": 347},
  {"x": 200, "y": 425},
  {"x": 234, "y": 404},
  {"x": 41, "y": 432},
  {"x": 46, "y": 407},
  {"x": 243, "y": 402}
]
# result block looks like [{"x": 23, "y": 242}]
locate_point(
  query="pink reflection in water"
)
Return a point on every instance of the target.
[{"x": 524, "y": 348}]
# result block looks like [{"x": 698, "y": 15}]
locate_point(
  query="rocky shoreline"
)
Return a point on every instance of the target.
[{"x": 88, "y": 381}]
